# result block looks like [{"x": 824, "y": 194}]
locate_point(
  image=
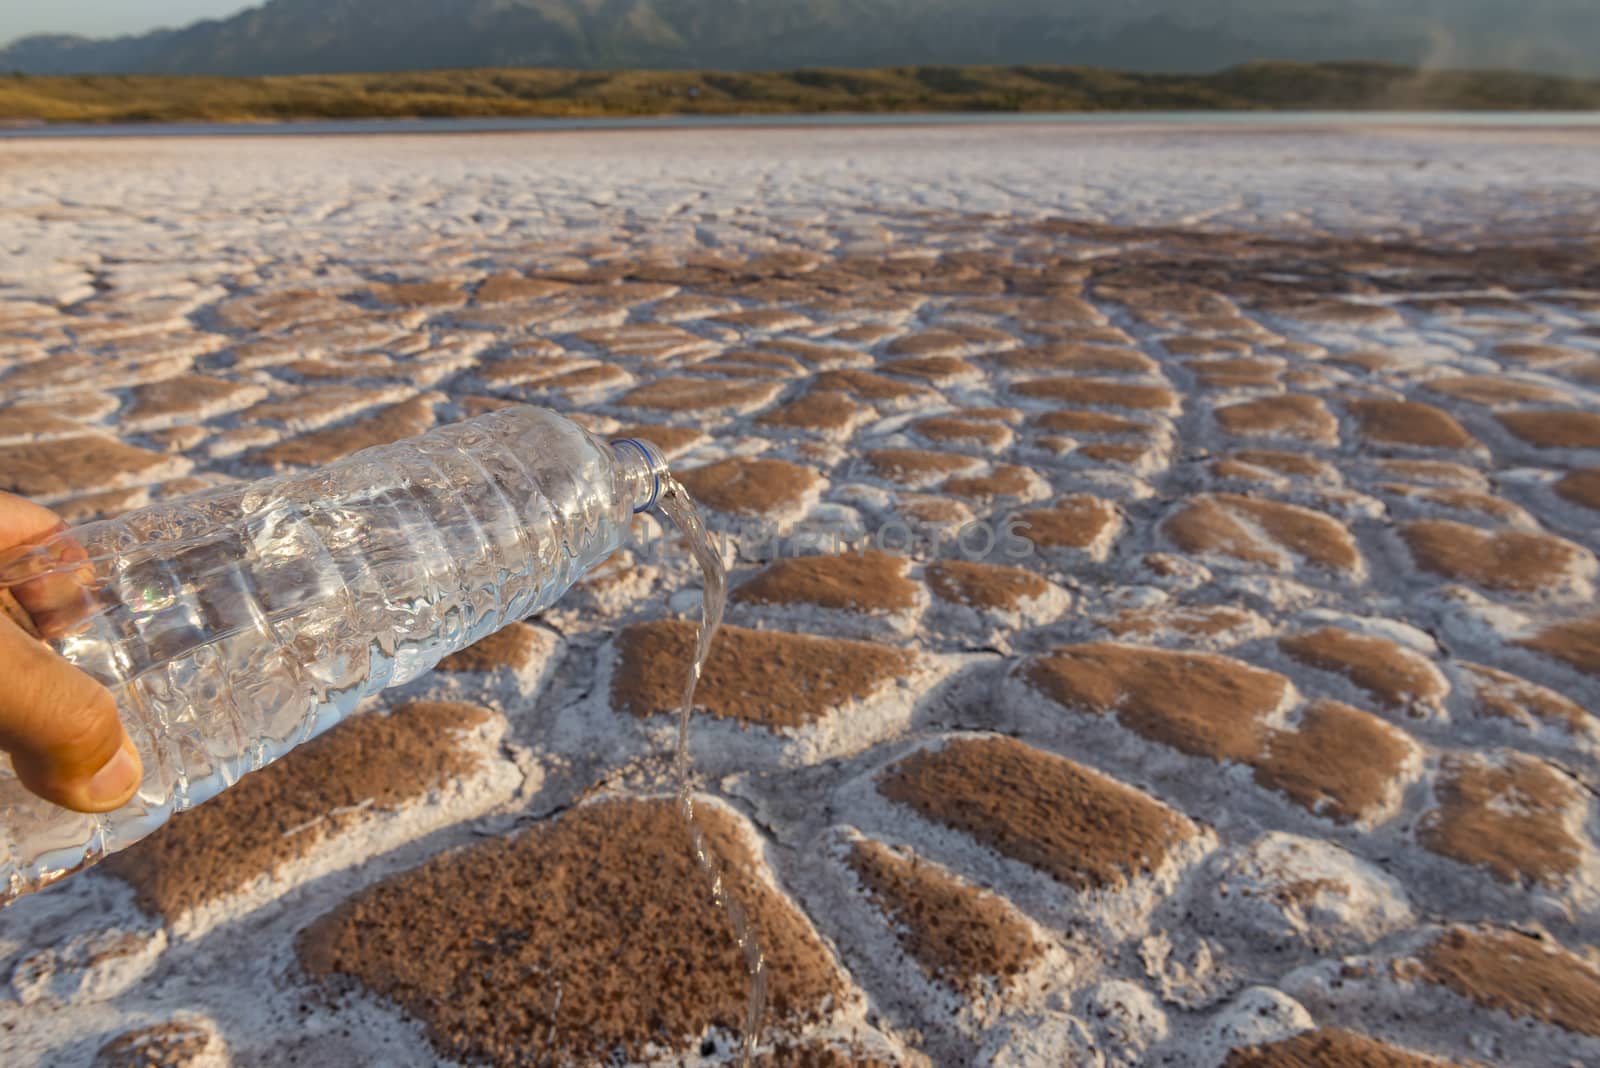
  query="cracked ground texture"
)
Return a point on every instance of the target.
[{"x": 1217, "y": 686}]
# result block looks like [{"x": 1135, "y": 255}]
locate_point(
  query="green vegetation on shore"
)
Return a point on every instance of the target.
[{"x": 542, "y": 92}]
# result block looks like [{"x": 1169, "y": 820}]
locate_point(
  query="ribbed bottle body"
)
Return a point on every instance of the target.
[{"x": 236, "y": 624}]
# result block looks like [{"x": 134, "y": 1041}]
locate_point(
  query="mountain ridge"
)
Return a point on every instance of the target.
[{"x": 348, "y": 36}]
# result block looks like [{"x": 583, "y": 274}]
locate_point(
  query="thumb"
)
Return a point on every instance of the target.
[{"x": 61, "y": 728}]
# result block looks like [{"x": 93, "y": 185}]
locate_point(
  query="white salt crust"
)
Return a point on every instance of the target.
[{"x": 1287, "y": 887}]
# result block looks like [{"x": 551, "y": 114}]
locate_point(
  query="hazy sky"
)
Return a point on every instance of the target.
[{"x": 106, "y": 18}]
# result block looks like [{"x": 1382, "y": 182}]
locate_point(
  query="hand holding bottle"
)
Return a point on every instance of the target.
[{"x": 60, "y": 726}]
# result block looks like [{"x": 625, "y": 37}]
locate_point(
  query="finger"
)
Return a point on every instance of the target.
[
  {"x": 56, "y": 601},
  {"x": 68, "y": 594},
  {"x": 19, "y": 615},
  {"x": 61, "y": 728},
  {"x": 22, "y": 521}
]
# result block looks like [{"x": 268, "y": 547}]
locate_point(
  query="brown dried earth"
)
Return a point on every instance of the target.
[
  {"x": 555, "y": 908},
  {"x": 754, "y": 677},
  {"x": 1277, "y": 554},
  {"x": 1397, "y": 422},
  {"x": 1518, "y": 974},
  {"x": 1507, "y": 813},
  {"x": 959, "y": 935},
  {"x": 1511, "y": 561},
  {"x": 1393, "y": 676},
  {"x": 282, "y": 813},
  {"x": 984, "y": 585},
  {"x": 1040, "y": 809},
  {"x": 1262, "y": 533},
  {"x": 171, "y": 1044},
  {"x": 868, "y": 583},
  {"x": 1328, "y": 1049},
  {"x": 1338, "y": 761},
  {"x": 750, "y": 487}
]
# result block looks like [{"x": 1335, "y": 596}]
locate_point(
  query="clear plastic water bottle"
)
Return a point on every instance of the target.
[{"x": 234, "y": 625}]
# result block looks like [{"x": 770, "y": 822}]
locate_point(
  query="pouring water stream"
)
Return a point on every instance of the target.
[{"x": 675, "y": 503}]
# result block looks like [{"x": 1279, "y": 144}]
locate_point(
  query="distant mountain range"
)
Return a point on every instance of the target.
[{"x": 325, "y": 36}]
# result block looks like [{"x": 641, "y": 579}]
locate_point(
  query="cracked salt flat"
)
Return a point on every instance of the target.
[
  {"x": 1244, "y": 428},
  {"x": 68, "y": 203}
]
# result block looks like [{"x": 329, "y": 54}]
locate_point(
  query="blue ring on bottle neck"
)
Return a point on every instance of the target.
[{"x": 650, "y": 462}]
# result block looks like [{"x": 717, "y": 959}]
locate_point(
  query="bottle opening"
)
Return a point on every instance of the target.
[{"x": 642, "y": 466}]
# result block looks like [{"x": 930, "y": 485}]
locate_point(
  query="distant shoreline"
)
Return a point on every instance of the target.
[
  {"x": 530, "y": 95},
  {"x": 1239, "y": 121}
]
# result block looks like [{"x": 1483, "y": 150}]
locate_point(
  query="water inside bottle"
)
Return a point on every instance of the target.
[{"x": 677, "y": 506}]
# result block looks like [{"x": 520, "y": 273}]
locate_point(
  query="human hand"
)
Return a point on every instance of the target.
[{"x": 59, "y": 725}]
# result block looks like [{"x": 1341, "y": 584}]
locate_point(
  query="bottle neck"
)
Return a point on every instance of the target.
[{"x": 641, "y": 470}]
